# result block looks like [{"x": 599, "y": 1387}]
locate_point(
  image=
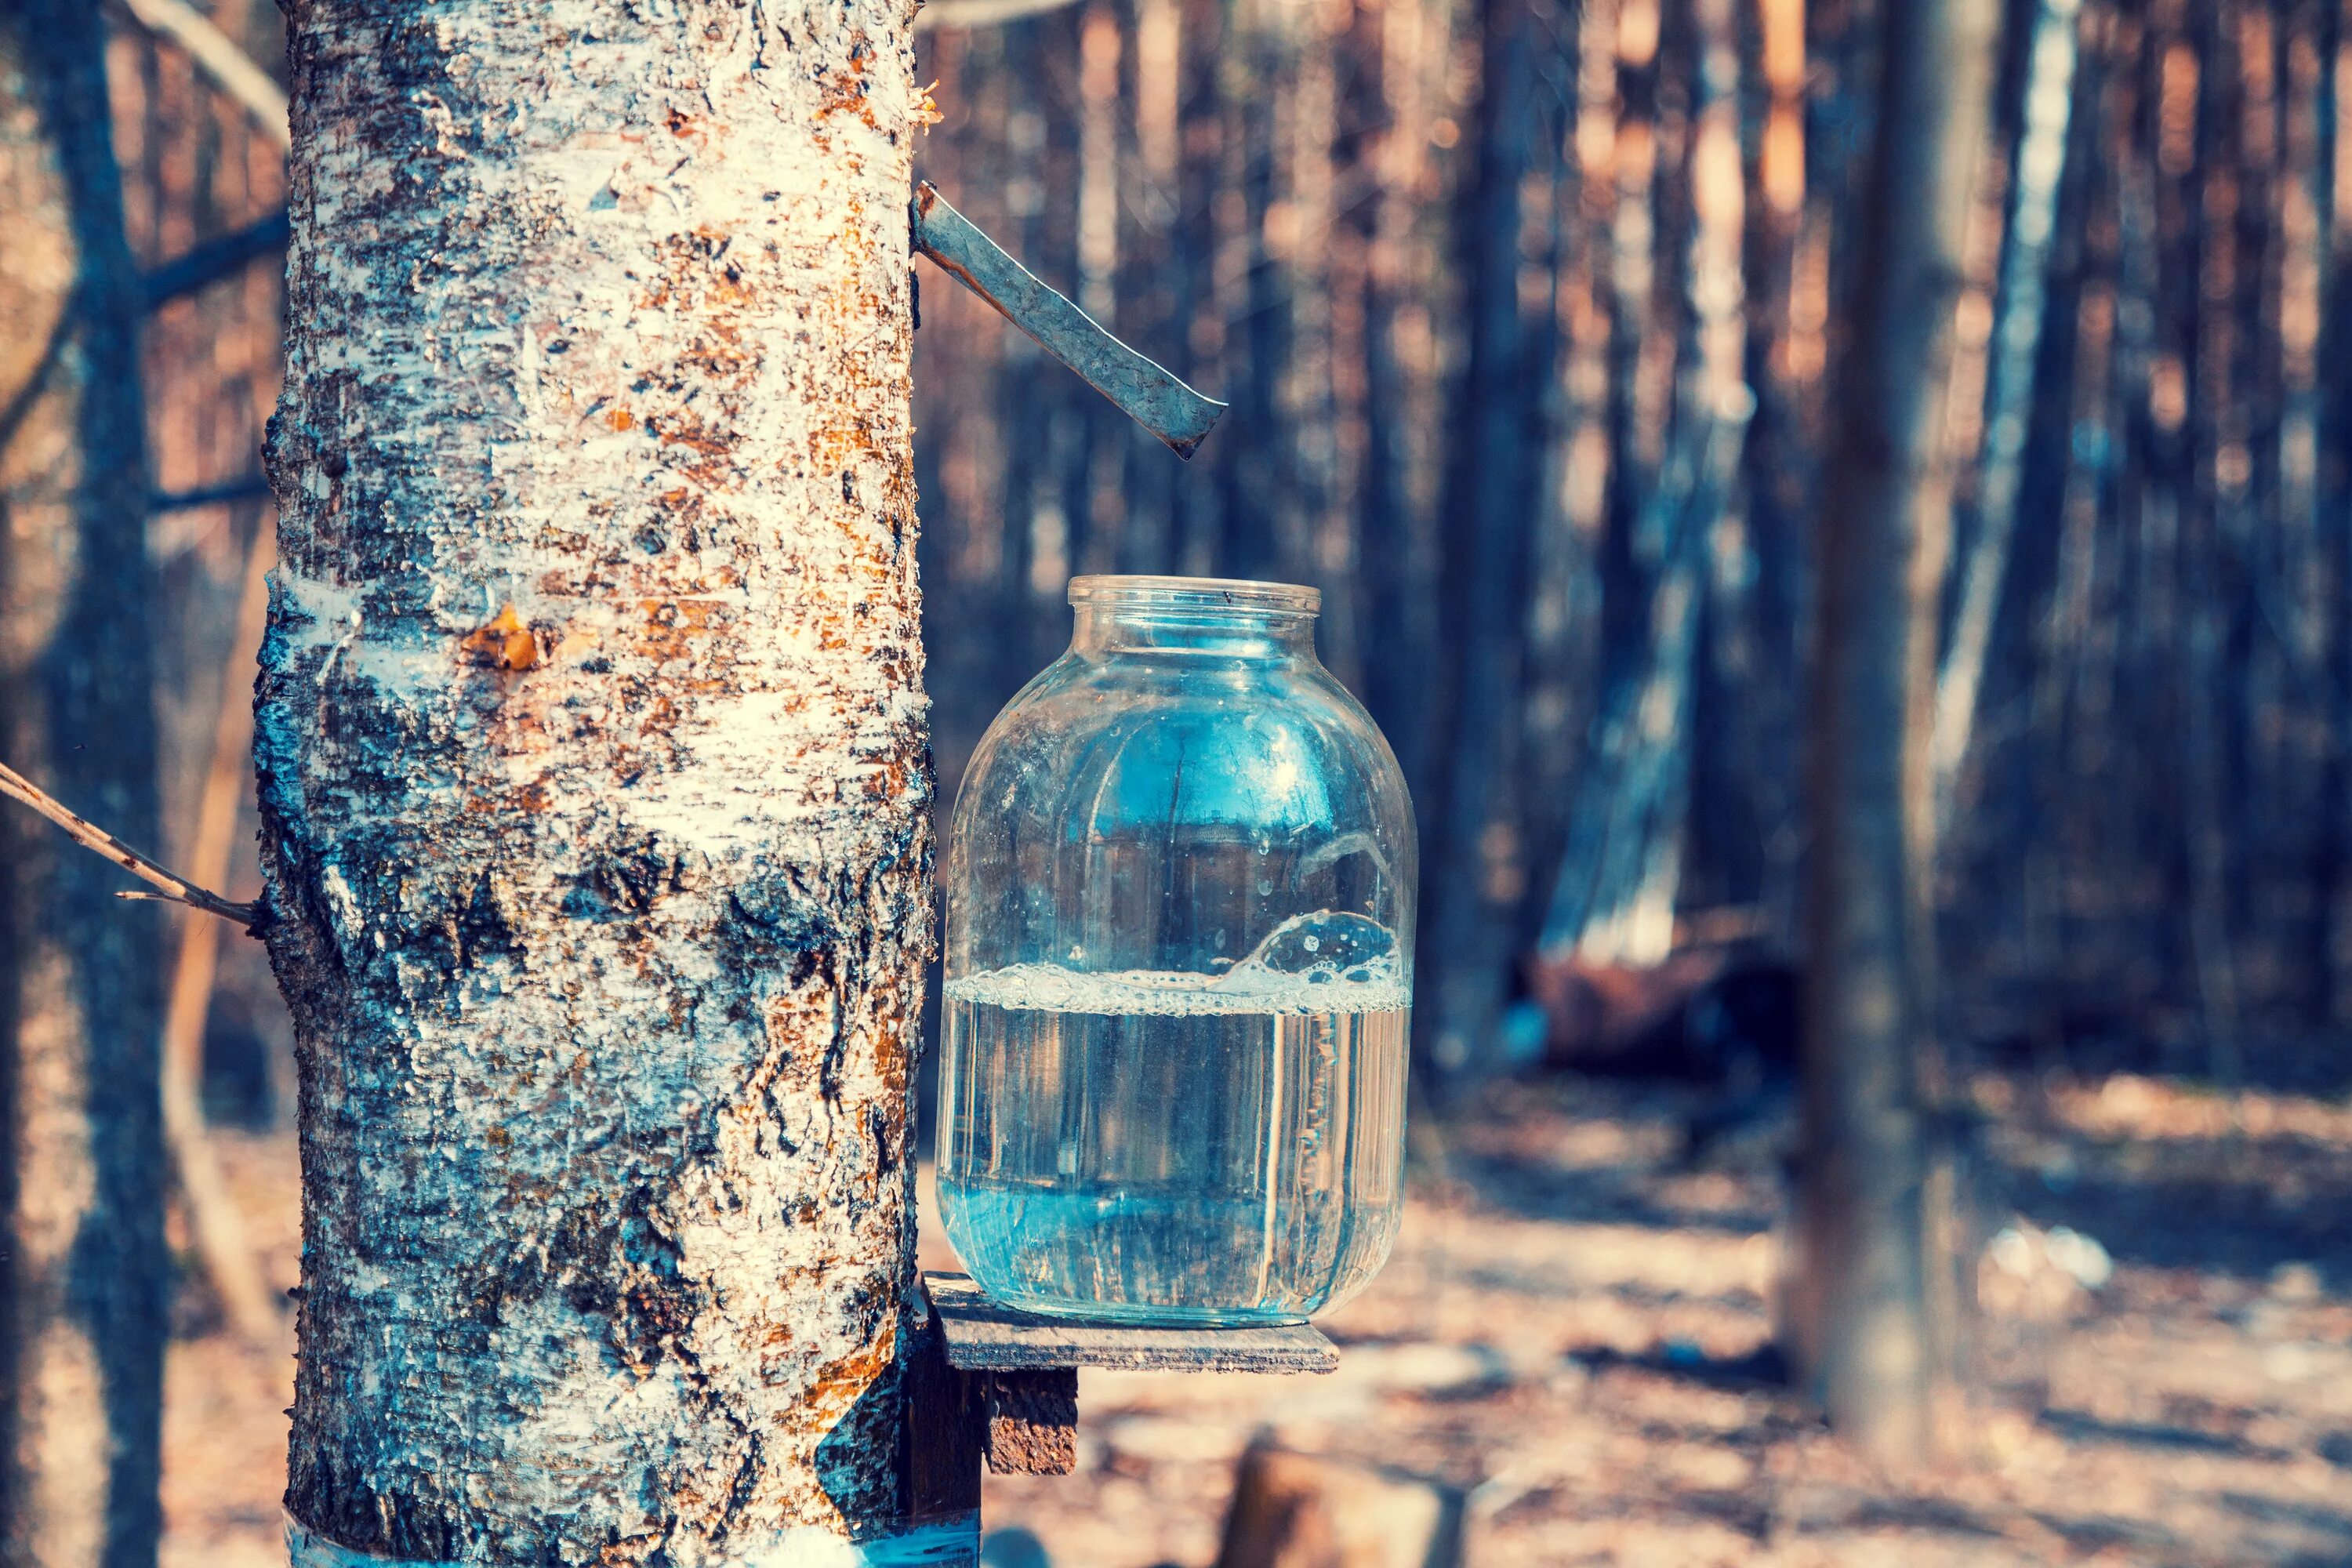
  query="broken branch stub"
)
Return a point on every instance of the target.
[{"x": 1147, "y": 393}]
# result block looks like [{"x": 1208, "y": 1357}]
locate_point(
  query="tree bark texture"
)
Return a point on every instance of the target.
[
  {"x": 83, "y": 1270},
  {"x": 594, "y": 779},
  {"x": 1870, "y": 1324}
]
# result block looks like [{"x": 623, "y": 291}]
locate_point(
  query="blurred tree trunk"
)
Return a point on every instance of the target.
[
  {"x": 1394, "y": 534},
  {"x": 83, "y": 1271},
  {"x": 1471, "y": 924},
  {"x": 1872, "y": 1316},
  {"x": 594, "y": 779}
]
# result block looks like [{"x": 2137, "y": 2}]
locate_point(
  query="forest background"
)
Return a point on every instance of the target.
[
  {"x": 1525, "y": 313},
  {"x": 1528, "y": 314}
]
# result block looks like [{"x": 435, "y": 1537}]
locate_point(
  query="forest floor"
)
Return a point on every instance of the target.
[{"x": 1576, "y": 1331}]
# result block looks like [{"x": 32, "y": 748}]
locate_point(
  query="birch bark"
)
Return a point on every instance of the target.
[
  {"x": 83, "y": 1270},
  {"x": 594, "y": 776}
]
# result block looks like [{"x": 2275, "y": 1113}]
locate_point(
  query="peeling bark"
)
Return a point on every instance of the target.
[
  {"x": 83, "y": 1270},
  {"x": 594, "y": 776}
]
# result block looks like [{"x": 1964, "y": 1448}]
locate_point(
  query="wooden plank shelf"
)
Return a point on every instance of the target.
[
  {"x": 982, "y": 1335},
  {"x": 991, "y": 1384}
]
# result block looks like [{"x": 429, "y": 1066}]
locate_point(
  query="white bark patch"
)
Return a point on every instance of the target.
[{"x": 593, "y": 750}]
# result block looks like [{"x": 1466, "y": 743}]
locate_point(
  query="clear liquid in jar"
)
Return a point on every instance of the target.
[{"x": 1173, "y": 1148}]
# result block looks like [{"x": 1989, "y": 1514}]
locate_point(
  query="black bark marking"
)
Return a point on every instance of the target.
[
  {"x": 344, "y": 1506},
  {"x": 774, "y": 915},
  {"x": 482, "y": 932},
  {"x": 621, "y": 1268},
  {"x": 625, "y": 879}
]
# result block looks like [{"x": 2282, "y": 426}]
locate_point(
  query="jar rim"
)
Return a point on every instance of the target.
[{"x": 1200, "y": 595}]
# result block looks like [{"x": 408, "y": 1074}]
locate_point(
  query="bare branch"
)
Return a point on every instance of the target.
[
  {"x": 217, "y": 259},
  {"x": 17, "y": 786},
  {"x": 216, "y": 54},
  {"x": 981, "y": 13},
  {"x": 251, "y": 487}
]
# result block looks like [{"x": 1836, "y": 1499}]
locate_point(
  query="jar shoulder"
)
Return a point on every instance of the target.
[{"x": 1280, "y": 743}]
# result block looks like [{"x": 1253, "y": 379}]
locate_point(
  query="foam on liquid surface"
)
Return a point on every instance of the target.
[{"x": 1318, "y": 963}]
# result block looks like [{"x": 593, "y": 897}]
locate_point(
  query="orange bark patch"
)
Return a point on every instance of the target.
[
  {"x": 674, "y": 629},
  {"x": 847, "y": 89},
  {"x": 892, "y": 1060},
  {"x": 840, "y": 1384},
  {"x": 505, "y": 644},
  {"x": 678, "y": 431}
]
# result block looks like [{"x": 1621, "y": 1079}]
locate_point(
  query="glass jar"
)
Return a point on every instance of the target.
[{"x": 1180, "y": 895}]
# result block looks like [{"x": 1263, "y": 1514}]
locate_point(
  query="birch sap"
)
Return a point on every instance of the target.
[{"x": 1172, "y": 1147}]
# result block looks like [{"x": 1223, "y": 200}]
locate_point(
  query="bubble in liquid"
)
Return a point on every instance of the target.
[{"x": 1319, "y": 948}]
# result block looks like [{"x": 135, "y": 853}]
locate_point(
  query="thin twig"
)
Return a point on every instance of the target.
[
  {"x": 217, "y": 56},
  {"x": 89, "y": 836}
]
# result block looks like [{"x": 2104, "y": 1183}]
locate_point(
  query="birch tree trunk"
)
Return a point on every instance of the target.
[
  {"x": 594, "y": 778},
  {"x": 83, "y": 1271},
  {"x": 1872, "y": 1315}
]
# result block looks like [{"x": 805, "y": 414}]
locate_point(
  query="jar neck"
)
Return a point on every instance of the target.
[
  {"x": 1104, "y": 629},
  {"x": 1218, "y": 617}
]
